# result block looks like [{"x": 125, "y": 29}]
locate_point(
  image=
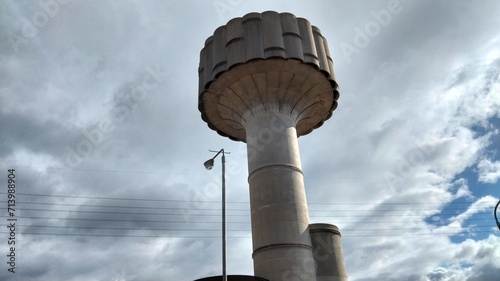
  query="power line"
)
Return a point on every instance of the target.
[
  {"x": 233, "y": 209},
  {"x": 233, "y": 215},
  {"x": 237, "y": 202},
  {"x": 247, "y": 237},
  {"x": 235, "y": 230},
  {"x": 126, "y": 228},
  {"x": 121, "y": 235},
  {"x": 107, "y": 198},
  {"x": 116, "y": 220},
  {"x": 128, "y": 213},
  {"x": 98, "y": 205},
  {"x": 113, "y": 206},
  {"x": 195, "y": 216},
  {"x": 105, "y": 170}
]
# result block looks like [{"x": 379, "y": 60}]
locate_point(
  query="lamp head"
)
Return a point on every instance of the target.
[{"x": 209, "y": 164}]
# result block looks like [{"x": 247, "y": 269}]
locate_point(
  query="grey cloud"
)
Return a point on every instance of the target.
[{"x": 487, "y": 272}]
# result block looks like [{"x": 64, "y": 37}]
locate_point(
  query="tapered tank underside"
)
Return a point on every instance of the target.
[{"x": 287, "y": 87}]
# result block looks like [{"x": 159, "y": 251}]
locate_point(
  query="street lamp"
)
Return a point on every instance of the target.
[
  {"x": 495, "y": 213},
  {"x": 209, "y": 164}
]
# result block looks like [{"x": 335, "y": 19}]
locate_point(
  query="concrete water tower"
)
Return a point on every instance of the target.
[{"x": 266, "y": 79}]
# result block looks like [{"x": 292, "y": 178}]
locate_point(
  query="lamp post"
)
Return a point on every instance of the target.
[{"x": 209, "y": 164}]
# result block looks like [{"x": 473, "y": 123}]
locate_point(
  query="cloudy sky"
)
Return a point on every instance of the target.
[{"x": 99, "y": 119}]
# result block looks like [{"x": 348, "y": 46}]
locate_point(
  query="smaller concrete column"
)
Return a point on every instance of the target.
[{"x": 327, "y": 250}]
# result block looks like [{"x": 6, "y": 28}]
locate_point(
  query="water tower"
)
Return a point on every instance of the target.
[{"x": 266, "y": 79}]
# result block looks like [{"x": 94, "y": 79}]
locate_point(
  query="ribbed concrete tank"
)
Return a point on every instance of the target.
[{"x": 266, "y": 79}]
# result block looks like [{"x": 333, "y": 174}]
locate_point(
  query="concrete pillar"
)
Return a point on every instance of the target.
[
  {"x": 327, "y": 251},
  {"x": 281, "y": 241}
]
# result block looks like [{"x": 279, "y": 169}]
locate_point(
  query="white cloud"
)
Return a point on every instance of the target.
[
  {"x": 480, "y": 205},
  {"x": 489, "y": 171}
]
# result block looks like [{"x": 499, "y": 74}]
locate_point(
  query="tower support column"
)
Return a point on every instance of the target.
[
  {"x": 330, "y": 265},
  {"x": 281, "y": 241}
]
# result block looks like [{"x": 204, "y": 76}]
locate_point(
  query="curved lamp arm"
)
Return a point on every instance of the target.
[{"x": 495, "y": 214}]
